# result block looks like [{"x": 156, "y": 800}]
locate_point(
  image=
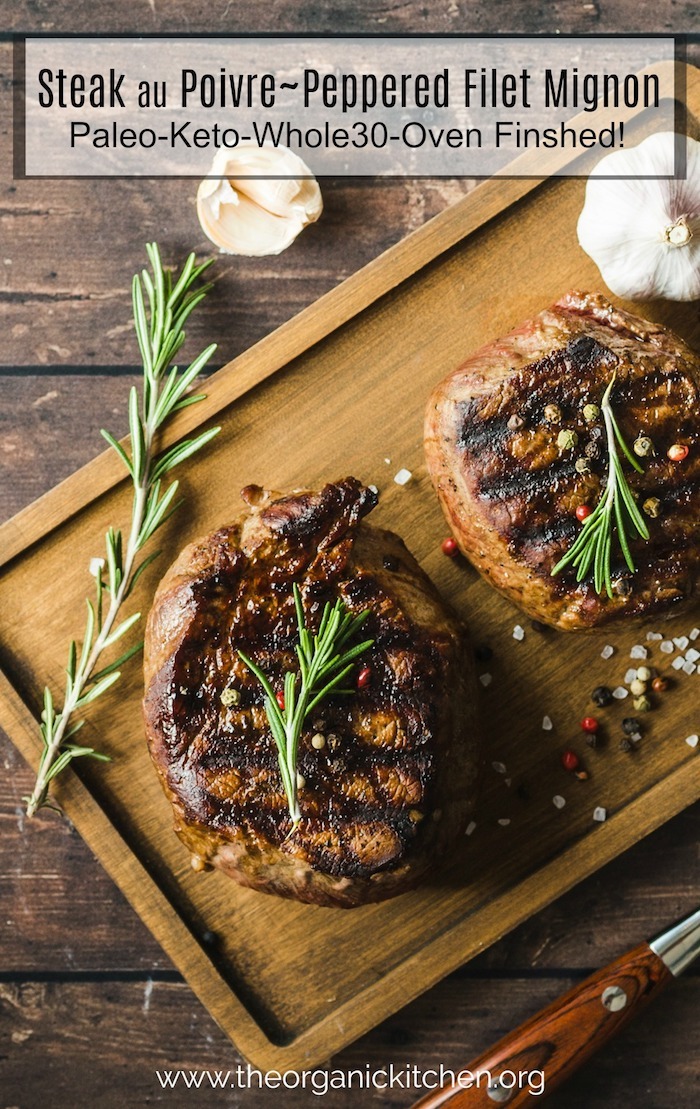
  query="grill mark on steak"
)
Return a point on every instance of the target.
[{"x": 381, "y": 770}]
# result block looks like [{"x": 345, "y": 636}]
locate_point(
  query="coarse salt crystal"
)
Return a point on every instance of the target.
[
  {"x": 600, "y": 814},
  {"x": 388, "y": 461},
  {"x": 630, "y": 675},
  {"x": 667, "y": 646},
  {"x": 471, "y": 826},
  {"x": 692, "y": 655},
  {"x": 681, "y": 642},
  {"x": 691, "y": 740},
  {"x": 558, "y": 801},
  {"x": 547, "y": 724},
  {"x": 635, "y": 737},
  {"x": 96, "y": 564},
  {"x": 504, "y": 821},
  {"x": 694, "y": 634},
  {"x": 518, "y": 632},
  {"x": 607, "y": 651},
  {"x": 620, "y": 693},
  {"x": 689, "y": 667},
  {"x": 403, "y": 477},
  {"x": 485, "y": 679},
  {"x": 639, "y": 651},
  {"x": 499, "y": 767},
  {"x": 678, "y": 662},
  {"x": 654, "y": 637}
]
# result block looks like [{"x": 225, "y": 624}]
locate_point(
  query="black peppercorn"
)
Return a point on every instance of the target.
[
  {"x": 602, "y": 696},
  {"x": 483, "y": 653},
  {"x": 390, "y": 563},
  {"x": 630, "y": 725},
  {"x": 626, "y": 745},
  {"x": 592, "y": 450},
  {"x": 210, "y": 939},
  {"x": 596, "y": 432},
  {"x": 592, "y": 739}
]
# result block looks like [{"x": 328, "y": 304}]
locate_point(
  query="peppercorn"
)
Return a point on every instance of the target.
[
  {"x": 592, "y": 740},
  {"x": 230, "y": 697},
  {"x": 569, "y": 760},
  {"x": 652, "y": 507},
  {"x": 589, "y": 724},
  {"x": 637, "y": 687},
  {"x": 622, "y": 587},
  {"x": 644, "y": 673},
  {"x": 602, "y": 696},
  {"x": 626, "y": 745},
  {"x": 660, "y": 685},
  {"x": 642, "y": 704},
  {"x": 279, "y": 697},
  {"x": 552, "y": 413},
  {"x": 449, "y": 547},
  {"x": 515, "y": 422},
  {"x": 363, "y": 677},
  {"x": 583, "y": 511},
  {"x": 678, "y": 452},
  {"x": 630, "y": 725},
  {"x": 595, "y": 432},
  {"x": 592, "y": 451},
  {"x": 318, "y": 741},
  {"x": 643, "y": 446},
  {"x": 567, "y": 440},
  {"x": 591, "y": 412},
  {"x": 581, "y": 466},
  {"x": 483, "y": 653}
]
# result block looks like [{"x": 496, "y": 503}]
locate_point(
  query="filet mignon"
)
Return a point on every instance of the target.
[
  {"x": 391, "y": 788},
  {"x": 510, "y": 490}
]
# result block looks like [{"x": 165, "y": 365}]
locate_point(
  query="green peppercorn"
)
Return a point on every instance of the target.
[
  {"x": 230, "y": 697},
  {"x": 652, "y": 507},
  {"x": 552, "y": 413},
  {"x": 643, "y": 446},
  {"x": 567, "y": 440},
  {"x": 642, "y": 704},
  {"x": 581, "y": 466},
  {"x": 591, "y": 412}
]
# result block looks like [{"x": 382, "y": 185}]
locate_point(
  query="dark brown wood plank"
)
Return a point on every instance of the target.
[
  {"x": 121, "y": 1033},
  {"x": 220, "y": 16}
]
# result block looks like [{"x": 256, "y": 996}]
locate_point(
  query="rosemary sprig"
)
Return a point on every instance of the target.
[
  {"x": 159, "y": 319},
  {"x": 325, "y": 661},
  {"x": 616, "y": 511}
]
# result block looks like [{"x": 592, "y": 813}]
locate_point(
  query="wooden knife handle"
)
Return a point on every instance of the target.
[{"x": 561, "y": 1037}]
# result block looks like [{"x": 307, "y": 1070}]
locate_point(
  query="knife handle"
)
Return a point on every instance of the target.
[{"x": 561, "y": 1037}]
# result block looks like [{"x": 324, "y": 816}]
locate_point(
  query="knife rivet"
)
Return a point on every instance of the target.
[
  {"x": 500, "y": 1093},
  {"x": 614, "y": 998}
]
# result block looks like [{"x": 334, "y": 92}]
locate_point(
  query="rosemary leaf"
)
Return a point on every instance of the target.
[
  {"x": 614, "y": 514},
  {"x": 160, "y": 309},
  {"x": 323, "y": 667}
]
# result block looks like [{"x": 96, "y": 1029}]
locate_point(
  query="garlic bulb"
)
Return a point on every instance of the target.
[
  {"x": 644, "y": 235},
  {"x": 256, "y": 215}
]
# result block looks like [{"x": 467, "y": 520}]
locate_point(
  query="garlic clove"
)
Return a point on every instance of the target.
[
  {"x": 261, "y": 214},
  {"x": 625, "y": 223}
]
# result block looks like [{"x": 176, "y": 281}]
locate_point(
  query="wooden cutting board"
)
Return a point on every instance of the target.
[{"x": 341, "y": 390}]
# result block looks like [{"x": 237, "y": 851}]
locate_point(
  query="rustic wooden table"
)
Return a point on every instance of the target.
[{"x": 90, "y": 1005}]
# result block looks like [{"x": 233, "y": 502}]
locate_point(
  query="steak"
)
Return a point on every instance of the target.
[
  {"x": 391, "y": 788},
  {"x": 510, "y": 489}
]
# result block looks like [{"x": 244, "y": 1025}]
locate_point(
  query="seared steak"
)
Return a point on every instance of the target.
[
  {"x": 393, "y": 784},
  {"x": 510, "y": 489}
]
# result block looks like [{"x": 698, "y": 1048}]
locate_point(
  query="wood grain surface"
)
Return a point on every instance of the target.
[{"x": 81, "y": 977}]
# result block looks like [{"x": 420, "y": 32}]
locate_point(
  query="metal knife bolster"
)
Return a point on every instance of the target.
[{"x": 679, "y": 946}]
